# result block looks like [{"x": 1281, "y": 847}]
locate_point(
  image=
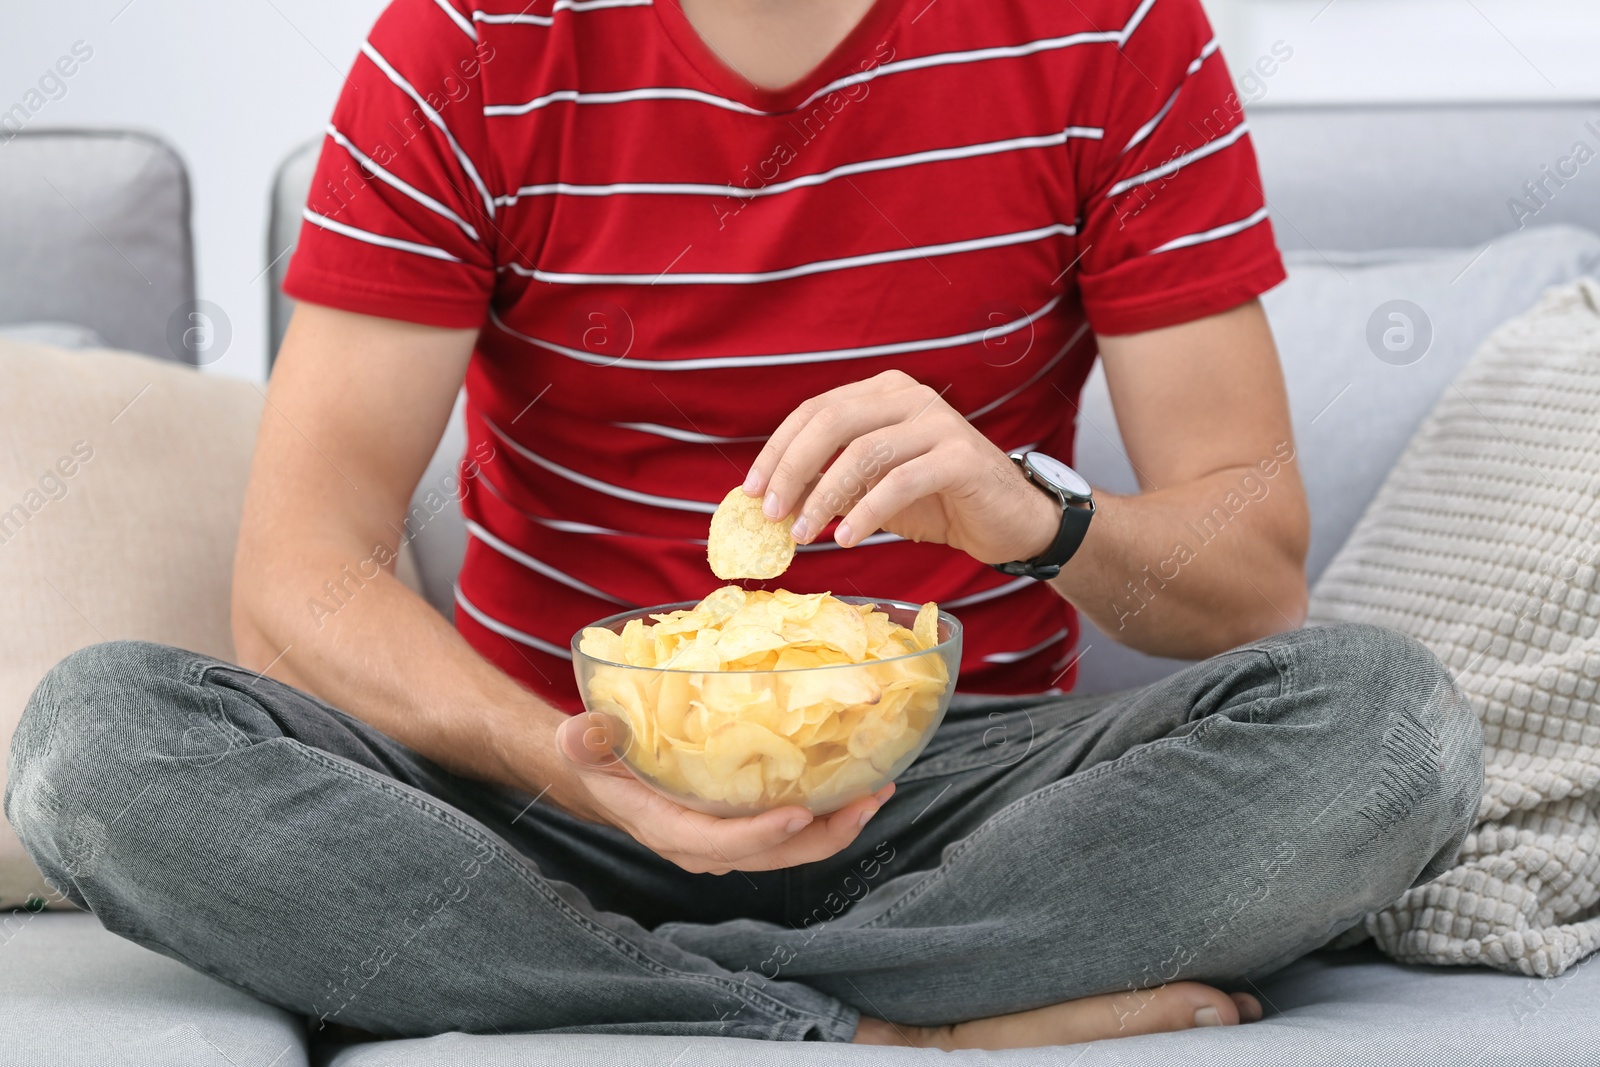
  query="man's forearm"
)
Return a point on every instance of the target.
[
  {"x": 330, "y": 483},
  {"x": 386, "y": 657},
  {"x": 1211, "y": 553},
  {"x": 1195, "y": 569}
]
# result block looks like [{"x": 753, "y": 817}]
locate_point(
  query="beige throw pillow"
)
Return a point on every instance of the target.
[
  {"x": 121, "y": 483},
  {"x": 1484, "y": 544}
]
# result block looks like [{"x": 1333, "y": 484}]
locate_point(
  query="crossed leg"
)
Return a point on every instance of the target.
[{"x": 1097, "y": 871}]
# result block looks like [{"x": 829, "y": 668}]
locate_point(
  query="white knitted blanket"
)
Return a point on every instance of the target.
[{"x": 1484, "y": 544}]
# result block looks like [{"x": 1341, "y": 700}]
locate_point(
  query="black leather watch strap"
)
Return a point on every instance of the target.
[{"x": 1069, "y": 535}]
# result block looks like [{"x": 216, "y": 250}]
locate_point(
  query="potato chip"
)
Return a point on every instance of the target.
[
  {"x": 672, "y": 704},
  {"x": 681, "y": 622},
  {"x": 615, "y": 692},
  {"x": 638, "y": 644},
  {"x": 832, "y": 689},
  {"x": 744, "y": 543},
  {"x": 722, "y": 605},
  {"x": 926, "y": 628},
  {"x": 797, "y": 607},
  {"x": 849, "y": 776},
  {"x": 834, "y": 624},
  {"x": 746, "y": 784},
  {"x": 694, "y": 657},
  {"x": 740, "y": 642},
  {"x": 758, "y": 698},
  {"x": 601, "y": 643},
  {"x": 733, "y": 745},
  {"x": 791, "y": 658}
]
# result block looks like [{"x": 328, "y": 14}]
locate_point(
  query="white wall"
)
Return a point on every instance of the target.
[
  {"x": 1416, "y": 50},
  {"x": 236, "y": 84},
  {"x": 233, "y": 84}
]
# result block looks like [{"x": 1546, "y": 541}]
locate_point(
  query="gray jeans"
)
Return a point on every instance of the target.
[{"x": 1213, "y": 826}]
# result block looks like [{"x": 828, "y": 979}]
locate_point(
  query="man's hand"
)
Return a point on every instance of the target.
[
  {"x": 1208, "y": 555},
  {"x": 700, "y": 843},
  {"x": 907, "y": 463}
]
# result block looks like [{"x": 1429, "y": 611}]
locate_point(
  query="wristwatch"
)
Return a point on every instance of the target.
[{"x": 1069, "y": 488}]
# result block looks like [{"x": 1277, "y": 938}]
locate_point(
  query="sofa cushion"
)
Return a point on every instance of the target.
[
  {"x": 60, "y": 334},
  {"x": 1353, "y": 410},
  {"x": 121, "y": 483},
  {"x": 75, "y": 994},
  {"x": 1484, "y": 544},
  {"x": 95, "y": 231},
  {"x": 1349, "y": 1007}
]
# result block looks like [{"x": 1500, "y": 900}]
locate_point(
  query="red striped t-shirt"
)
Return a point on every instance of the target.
[{"x": 664, "y": 260}]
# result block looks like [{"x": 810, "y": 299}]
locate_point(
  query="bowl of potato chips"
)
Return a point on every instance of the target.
[{"x": 752, "y": 700}]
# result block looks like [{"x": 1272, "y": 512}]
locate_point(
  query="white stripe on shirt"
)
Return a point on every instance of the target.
[
  {"x": 414, "y": 193},
  {"x": 579, "y": 527},
  {"x": 977, "y": 55},
  {"x": 1148, "y": 128},
  {"x": 1216, "y": 234},
  {"x": 937, "y": 155},
  {"x": 671, "y": 503},
  {"x": 1199, "y": 61},
  {"x": 433, "y": 117},
  {"x": 899, "y": 255},
  {"x": 989, "y": 594},
  {"x": 522, "y": 20},
  {"x": 460, "y": 20},
  {"x": 559, "y": 5},
  {"x": 508, "y": 631},
  {"x": 1014, "y": 657},
  {"x": 1133, "y": 22},
  {"x": 1179, "y": 162},
  {"x": 675, "y": 434},
  {"x": 621, "y": 96},
  {"x": 564, "y": 525},
  {"x": 1082, "y": 329},
  {"x": 516, "y": 555},
  {"x": 781, "y": 359},
  {"x": 865, "y": 542},
  {"x": 940, "y": 59},
  {"x": 376, "y": 238}
]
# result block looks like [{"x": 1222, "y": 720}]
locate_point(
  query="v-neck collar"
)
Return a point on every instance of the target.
[{"x": 846, "y": 58}]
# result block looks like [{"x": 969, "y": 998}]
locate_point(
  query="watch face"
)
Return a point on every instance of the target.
[{"x": 1059, "y": 474}]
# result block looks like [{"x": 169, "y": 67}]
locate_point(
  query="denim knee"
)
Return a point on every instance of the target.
[
  {"x": 1457, "y": 741},
  {"x": 90, "y": 742},
  {"x": 1397, "y": 700}
]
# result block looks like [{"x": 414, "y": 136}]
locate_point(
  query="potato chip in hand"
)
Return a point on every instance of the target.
[{"x": 744, "y": 543}]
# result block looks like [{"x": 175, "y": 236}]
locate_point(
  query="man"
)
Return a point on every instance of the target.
[{"x": 848, "y": 254}]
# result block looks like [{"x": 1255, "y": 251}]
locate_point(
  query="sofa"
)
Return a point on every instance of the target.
[{"x": 1373, "y": 205}]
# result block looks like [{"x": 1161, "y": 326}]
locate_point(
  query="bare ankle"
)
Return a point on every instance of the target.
[
  {"x": 1178, "y": 1006},
  {"x": 871, "y": 1031}
]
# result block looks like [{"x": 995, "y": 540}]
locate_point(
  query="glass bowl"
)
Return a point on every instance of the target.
[{"x": 735, "y": 743}]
